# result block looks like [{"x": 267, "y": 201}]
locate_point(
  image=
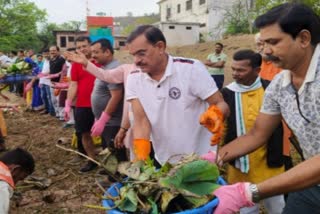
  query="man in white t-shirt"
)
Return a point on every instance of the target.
[
  {"x": 168, "y": 96},
  {"x": 45, "y": 84}
]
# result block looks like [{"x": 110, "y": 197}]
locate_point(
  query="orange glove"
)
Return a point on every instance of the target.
[
  {"x": 212, "y": 119},
  {"x": 141, "y": 148}
]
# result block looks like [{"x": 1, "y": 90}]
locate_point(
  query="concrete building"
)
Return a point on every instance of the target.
[
  {"x": 66, "y": 38},
  {"x": 208, "y": 13},
  {"x": 180, "y": 33}
]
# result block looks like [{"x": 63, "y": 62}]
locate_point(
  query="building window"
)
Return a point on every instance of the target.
[
  {"x": 188, "y": 28},
  {"x": 178, "y": 8},
  {"x": 171, "y": 27},
  {"x": 189, "y": 5},
  {"x": 71, "y": 38},
  {"x": 202, "y": 2},
  {"x": 203, "y": 25},
  {"x": 168, "y": 12},
  {"x": 63, "y": 42},
  {"x": 122, "y": 43}
]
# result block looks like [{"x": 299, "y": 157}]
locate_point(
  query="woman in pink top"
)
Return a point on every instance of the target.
[{"x": 117, "y": 75}]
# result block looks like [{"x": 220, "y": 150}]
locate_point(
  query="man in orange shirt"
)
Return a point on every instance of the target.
[{"x": 267, "y": 72}]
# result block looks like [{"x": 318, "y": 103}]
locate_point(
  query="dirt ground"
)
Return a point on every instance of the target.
[{"x": 70, "y": 191}]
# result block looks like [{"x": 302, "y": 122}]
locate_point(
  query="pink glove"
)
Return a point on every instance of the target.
[
  {"x": 60, "y": 85},
  {"x": 99, "y": 125},
  {"x": 40, "y": 75},
  {"x": 232, "y": 198},
  {"x": 67, "y": 109},
  {"x": 210, "y": 156},
  {"x": 28, "y": 86}
]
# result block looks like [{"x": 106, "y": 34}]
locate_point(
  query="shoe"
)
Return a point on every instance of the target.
[
  {"x": 75, "y": 161},
  {"x": 88, "y": 167}
]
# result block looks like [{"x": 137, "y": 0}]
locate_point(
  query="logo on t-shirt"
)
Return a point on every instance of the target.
[{"x": 174, "y": 93}]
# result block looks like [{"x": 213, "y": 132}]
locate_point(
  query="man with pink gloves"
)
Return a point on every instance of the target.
[
  {"x": 107, "y": 100},
  {"x": 116, "y": 75},
  {"x": 80, "y": 89},
  {"x": 291, "y": 33}
]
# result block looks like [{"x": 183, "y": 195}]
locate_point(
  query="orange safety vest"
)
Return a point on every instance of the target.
[{"x": 5, "y": 174}]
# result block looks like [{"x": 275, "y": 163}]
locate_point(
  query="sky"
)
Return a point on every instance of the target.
[{"x": 60, "y": 11}]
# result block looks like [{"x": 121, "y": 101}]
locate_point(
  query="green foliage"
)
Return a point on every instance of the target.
[
  {"x": 236, "y": 20},
  {"x": 240, "y": 17},
  {"x": 142, "y": 20},
  {"x": 199, "y": 177},
  {"x": 185, "y": 185},
  {"x": 18, "y": 24}
]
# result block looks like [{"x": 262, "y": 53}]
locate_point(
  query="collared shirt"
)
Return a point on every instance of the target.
[
  {"x": 280, "y": 98},
  {"x": 216, "y": 58},
  {"x": 173, "y": 106}
]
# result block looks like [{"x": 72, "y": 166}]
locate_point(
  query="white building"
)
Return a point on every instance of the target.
[
  {"x": 208, "y": 13},
  {"x": 180, "y": 33}
]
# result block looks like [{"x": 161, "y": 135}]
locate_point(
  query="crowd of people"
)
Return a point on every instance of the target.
[{"x": 164, "y": 106}]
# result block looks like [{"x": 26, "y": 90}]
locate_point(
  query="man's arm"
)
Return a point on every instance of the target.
[
  {"x": 217, "y": 99},
  {"x": 116, "y": 97},
  {"x": 141, "y": 125},
  {"x": 219, "y": 64},
  {"x": 263, "y": 128},
  {"x": 72, "y": 91}
]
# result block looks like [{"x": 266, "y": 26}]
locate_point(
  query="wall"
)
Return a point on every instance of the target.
[{"x": 180, "y": 35}]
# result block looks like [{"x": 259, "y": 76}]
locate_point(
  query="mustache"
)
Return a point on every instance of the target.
[
  {"x": 140, "y": 64},
  {"x": 272, "y": 58}
]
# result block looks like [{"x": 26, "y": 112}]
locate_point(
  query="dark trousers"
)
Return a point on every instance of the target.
[
  {"x": 219, "y": 79},
  {"x": 306, "y": 201},
  {"x": 107, "y": 137}
]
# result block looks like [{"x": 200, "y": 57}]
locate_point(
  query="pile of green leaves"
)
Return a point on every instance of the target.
[
  {"x": 18, "y": 68},
  {"x": 173, "y": 188}
]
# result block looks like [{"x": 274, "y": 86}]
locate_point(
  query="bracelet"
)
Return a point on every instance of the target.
[{"x": 124, "y": 128}]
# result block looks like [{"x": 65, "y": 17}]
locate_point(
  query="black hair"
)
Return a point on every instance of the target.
[
  {"x": 254, "y": 58},
  {"x": 82, "y": 39},
  {"x": 39, "y": 55},
  {"x": 292, "y": 19},
  {"x": 71, "y": 49},
  {"x": 105, "y": 44},
  {"x": 152, "y": 34},
  {"x": 14, "y": 52},
  {"x": 45, "y": 50},
  {"x": 56, "y": 46},
  {"x": 220, "y": 44},
  {"x": 19, "y": 157}
]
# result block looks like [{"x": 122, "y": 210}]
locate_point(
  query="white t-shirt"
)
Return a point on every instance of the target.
[
  {"x": 174, "y": 105},
  {"x": 6, "y": 193},
  {"x": 45, "y": 70}
]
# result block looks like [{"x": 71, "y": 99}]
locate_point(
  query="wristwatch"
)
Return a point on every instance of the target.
[{"x": 255, "y": 193}]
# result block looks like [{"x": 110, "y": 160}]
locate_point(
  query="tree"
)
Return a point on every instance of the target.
[
  {"x": 240, "y": 17},
  {"x": 18, "y": 24}
]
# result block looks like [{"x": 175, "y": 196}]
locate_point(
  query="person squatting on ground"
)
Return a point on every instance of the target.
[
  {"x": 291, "y": 33},
  {"x": 15, "y": 165}
]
